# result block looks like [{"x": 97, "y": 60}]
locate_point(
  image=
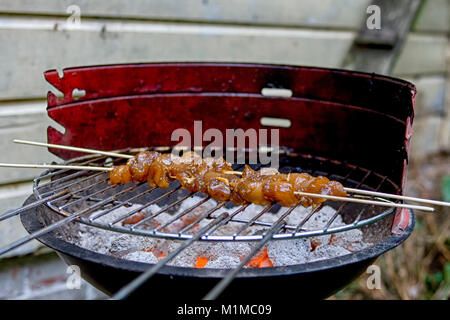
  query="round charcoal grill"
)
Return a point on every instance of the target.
[
  {"x": 351, "y": 127},
  {"x": 90, "y": 197}
]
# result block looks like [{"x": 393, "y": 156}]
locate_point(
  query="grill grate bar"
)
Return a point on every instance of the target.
[
  {"x": 203, "y": 216},
  {"x": 182, "y": 214},
  {"x": 15, "y": 212},
  {"x": 305, "y": 219},
  {"x": 229, "y": 218},
  {"x": 338, "y": 211},
  {"x": 223, "y": 284},
  {"x": 136, "y": 283},
  {"x": 87, "y": 197},
  {"x": 61, "y": 171},
  {"x": 55, "y": 225},
  {"x": 162, "y": 209},
  {"x": 124, "y": 203},
  {"x": 253, "y": 220},
  {"x": 358, "y": 217},
  {"x": 65, "y": 186}
]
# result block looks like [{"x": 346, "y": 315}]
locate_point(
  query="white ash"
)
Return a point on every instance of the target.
[
  {"x": 223, "y": 262},
  {"x": 142, "y": 256},
  {"x": 288, "y": 252},
  {"x": 326, "y": 251},
  {"x": 224, "y": 254}
]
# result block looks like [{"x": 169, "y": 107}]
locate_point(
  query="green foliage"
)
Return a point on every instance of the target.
[{"x": 445, "y": 188}]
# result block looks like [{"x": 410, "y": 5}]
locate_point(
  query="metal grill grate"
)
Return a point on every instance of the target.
[{"x": 89, "y": 196}]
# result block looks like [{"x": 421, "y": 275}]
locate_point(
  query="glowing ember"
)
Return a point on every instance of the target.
[
  {"x": 201, "y": 262},
  {"x": 134, "y": 218},
  {"x": 261, "y": 260}
]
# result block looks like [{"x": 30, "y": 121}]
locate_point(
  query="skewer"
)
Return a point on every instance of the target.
[
  {"x": 53, "y": 166},
  {"x": 357, "y": 200},
  {"x": 119, "y": 155},
  {"x": 84, "y": 150},
  {"x": 396, "y": 196}
]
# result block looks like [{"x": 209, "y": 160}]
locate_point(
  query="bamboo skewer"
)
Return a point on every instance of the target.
[
  {"x": 84, "y": 150},
  {"x": 119, "y": 155},
  {"x": 396, "y": 196},
  {"x": 357, "y": 200},
  {"x": 53, "y": 166}
]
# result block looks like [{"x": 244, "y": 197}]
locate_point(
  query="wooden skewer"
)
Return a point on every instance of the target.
[
  {"x": 314, "y": 195},
  {"x": 84, "y": 150},
  {"x": 378, "y": 203},
  {"x": 396, "y": 196},
  {"x": 53, "y": 166},
  {"x": 119, "y": 155}
]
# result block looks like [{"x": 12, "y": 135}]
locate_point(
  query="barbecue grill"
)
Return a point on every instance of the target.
[{"x": 349, "y": 126}]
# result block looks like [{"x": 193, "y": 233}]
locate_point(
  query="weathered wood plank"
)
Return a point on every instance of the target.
[
  {"x": 430, "y": 98},
  {"x": 306, "y": 13},
  {"x": 330, "y": 13},
  {"x": 425, "y": 140},
  {"x": 445, "y": 128},
  {"x": 434, "y": 16},
  {"x": 422, "y": 54},
  {"x": 376, "y": 50},
  {"x": 30, "y": 47},
  {"x": 23, "y": 121}
]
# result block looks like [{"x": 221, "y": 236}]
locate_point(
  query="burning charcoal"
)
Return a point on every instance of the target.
[
  {"x": 318, "y": 241},
  {"x": 224, "y": 254},
  {"x": 124, "y": 244},
  {"x": 260, "y": 260},
  {"x": 351, "y": 240},
  {"x": 288, "y": 252}
]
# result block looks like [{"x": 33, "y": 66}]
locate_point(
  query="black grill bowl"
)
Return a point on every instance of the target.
[{"x": 315, "y": 280}]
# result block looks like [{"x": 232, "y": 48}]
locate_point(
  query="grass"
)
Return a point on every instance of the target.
[{"x": 420, "y": 267}]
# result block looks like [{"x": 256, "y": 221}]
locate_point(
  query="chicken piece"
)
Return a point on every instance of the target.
[
  {"x": 250, "y": 187},
  {"x": 120, "y": 175},
  {"x": 140, "y": 164},
  {"x": 304, "y": 182},
  {"x": 192, "y": 176},
  {"x": 334, "y": 188},
  {"x": 220, "y": 186},
  {"x": 276, "y": 188},
  {"x": 159, "y": 171},
  {"x": 264, "y": 187}
]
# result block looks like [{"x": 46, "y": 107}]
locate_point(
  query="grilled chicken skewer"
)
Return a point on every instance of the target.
[
  {"x": 215, "y": 178},
  {"x": 225, "y": 191},
  {"x": 126, "y": 156}
]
